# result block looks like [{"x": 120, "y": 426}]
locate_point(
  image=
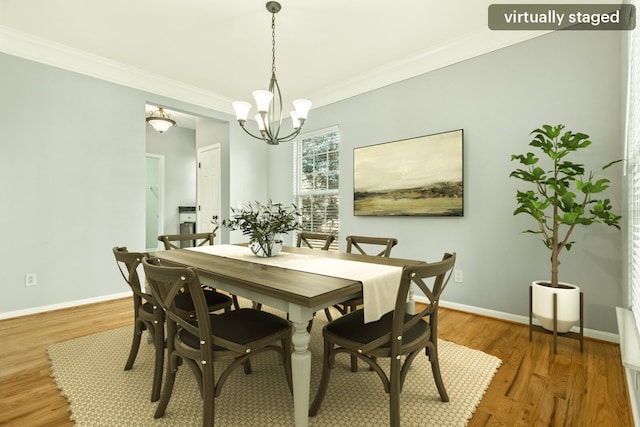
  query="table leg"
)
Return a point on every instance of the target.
[{"x": 301, "y": 372}]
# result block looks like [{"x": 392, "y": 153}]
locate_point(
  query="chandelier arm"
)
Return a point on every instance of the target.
[
  {"x": 291, "y": 136},
  {"x": 252, "y": 135},
  {"x": 274, "y": 126},
  {"x": 270, "y": 139}
]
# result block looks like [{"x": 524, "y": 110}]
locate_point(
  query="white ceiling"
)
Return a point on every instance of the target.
[{"x": 211, "y": 52}]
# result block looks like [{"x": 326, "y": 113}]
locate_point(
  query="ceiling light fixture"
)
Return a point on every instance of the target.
[
  {"x": 269, "y": 117},
  {"x": 160, "y": 122}
]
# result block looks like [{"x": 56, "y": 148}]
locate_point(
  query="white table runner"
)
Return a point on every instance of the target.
[{"x": 379, "y": 282}]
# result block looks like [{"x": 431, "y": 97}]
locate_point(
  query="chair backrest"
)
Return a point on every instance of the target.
[
  {"x": 128, "y": 263},
  {"x": 166, "y": 283},
  {"x": 176, "y": 241},
  {"x": 431, "y": 279},
  {"x": 419, "y": 276},
  {"x": 315, "y": 240},
  {"x": 371, "y": 245}
]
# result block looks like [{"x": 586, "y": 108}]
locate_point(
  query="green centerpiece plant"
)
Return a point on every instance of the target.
[
  {"x": 561, "y": 194},
  {"x": 264, "y": 223}
]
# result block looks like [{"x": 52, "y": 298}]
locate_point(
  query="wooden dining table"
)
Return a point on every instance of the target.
[{"x": 298, "y": 293}]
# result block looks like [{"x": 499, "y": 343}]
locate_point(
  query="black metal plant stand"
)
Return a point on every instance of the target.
[{"x": 555, "y": 333}]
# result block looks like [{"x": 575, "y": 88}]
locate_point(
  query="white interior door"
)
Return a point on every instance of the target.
[{"x": 208, "y": 188}]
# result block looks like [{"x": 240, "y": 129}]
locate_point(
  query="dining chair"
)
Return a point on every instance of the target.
[
  {"x": 200, "y": 343},
  {"x": 315, "y": 240},
  {"x": 378, "y": 246},
  {"x": 396, "y": 335},
  {"x": 175, "y": 241},
  {"x": 364, "y": 245},
  {"x": 146, "y": 315}
]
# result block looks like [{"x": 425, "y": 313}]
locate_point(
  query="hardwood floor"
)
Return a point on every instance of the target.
[
  {"x": 533, "y": 387},
  {"x": 28, "y": 395}
]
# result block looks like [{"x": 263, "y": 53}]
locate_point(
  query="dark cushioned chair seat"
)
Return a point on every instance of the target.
[
  {"x": 183, "y": 301},
  {"x": 352, "y": 327},
  {"x": 240, "y": 326}
]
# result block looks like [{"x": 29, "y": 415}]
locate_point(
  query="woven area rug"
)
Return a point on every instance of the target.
[{"x": 89, "y": 372}]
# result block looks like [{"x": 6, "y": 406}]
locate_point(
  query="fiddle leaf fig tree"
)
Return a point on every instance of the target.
[{"x": 563, "y": 195}]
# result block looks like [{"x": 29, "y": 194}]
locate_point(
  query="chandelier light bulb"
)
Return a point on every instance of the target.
[
  {"x": 302, "y": 107},
  {"x": 263, "y": 100},
  {"x": 295, "y": 121},
  {"x": 242, "y": 110}
]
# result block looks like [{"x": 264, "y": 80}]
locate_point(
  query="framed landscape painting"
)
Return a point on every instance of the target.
[{"x": 419, "y": 176}]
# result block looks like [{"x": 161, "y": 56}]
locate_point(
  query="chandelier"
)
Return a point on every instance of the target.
[
  {"x": 269, "y": 102},
  {"x": 160, "y": 122}
]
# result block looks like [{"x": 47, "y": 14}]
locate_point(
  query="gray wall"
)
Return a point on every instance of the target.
[
  {"x": 498, "y": 98},
  {"x": 73, "y": 182},
  {"x": 72, "y": 173},
  {"x": 72, "y": 170}
]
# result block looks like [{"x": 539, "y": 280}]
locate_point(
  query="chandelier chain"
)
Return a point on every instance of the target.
[{"x": 273, "y": 43}]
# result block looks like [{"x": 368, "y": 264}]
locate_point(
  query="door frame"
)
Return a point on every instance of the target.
[{"x": 161, "y": 197}]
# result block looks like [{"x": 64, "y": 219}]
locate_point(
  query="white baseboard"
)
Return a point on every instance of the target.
[
  {"x": 59, "y": 306},
  {"x": 591, "y": 333}
]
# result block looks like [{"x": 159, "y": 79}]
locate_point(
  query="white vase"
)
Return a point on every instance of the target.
[
  {"x": 568, "y": 304},
  {"x": 267, "y": 249}
]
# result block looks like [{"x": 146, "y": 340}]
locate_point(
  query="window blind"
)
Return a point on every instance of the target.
[
  {"x": 633, "y": 170},
  {"x": 316, "y": 181}
]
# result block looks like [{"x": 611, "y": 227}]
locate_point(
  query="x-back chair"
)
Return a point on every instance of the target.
[
  {"x": 146, "y": 314},
  {"x": 315, "y": 240},
  {"x": 201, "y": 342},
  {"x": 396, "y": 335},
  {"x": 175, "y": 241},
  {"x": 378, "y": 246}
]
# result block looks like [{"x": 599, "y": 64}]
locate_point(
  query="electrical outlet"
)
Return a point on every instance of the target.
[
  {"x": 30, "y": 279},
  {"x": 457, "y": 276}
]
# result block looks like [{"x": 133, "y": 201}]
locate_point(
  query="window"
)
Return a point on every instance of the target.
[
  {"x": 316, "y": 181},
  {"x": 633, "y": 172}
]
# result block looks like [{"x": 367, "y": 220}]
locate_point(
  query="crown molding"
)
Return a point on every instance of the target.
[
  {"x": 47, "y": 52},
  {"x": 454, "y": 51},
  {"x": 57, "y": 55}
]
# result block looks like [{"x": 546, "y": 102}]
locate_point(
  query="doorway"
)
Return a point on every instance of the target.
[
  {"x": 208, "y": 188},
  {"x": 154, "y": 204}
]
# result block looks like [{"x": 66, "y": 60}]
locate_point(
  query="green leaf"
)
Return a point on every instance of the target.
[
  {"x": 611, "y": 164},
  {"x": 568, "y": 200},
  {"x": 526, "y": 159},
  {"x": 600, "y": 185},
  {"x": 568, "y": 218}
]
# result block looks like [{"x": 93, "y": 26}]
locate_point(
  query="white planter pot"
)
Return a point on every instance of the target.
[
  {"x": 568, "y": 305},
  {"x": 272, "y": 248}
]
